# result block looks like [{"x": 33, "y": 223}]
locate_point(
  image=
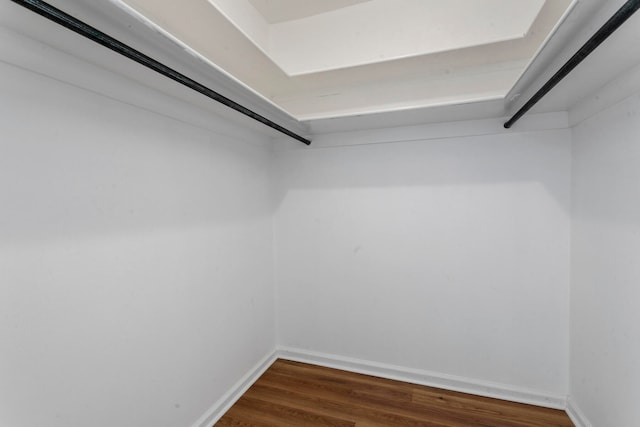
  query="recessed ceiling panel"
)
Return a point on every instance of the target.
[
  {"x": 384, "y": 30},
  {"x": 276, "y": 11},
  {"x": 378, "y": 30}
]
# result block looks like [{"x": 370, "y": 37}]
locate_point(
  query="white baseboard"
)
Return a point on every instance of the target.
[
  {"x": 414, "y": 376},
  {"x": 576, "y": 415},
  {"x": 432, "y": 379},
  {"x": 225, "y": 403}
]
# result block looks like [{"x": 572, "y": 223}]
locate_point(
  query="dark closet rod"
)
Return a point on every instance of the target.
[
  {"x": 85, "y": 30},
  {"x": 624, "y": 13}
]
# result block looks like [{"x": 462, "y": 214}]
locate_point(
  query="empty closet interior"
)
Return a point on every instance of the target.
[{"x": 192, "y": 190}]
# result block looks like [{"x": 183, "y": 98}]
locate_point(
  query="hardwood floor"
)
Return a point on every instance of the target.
[{"x": 297, "y": 394}]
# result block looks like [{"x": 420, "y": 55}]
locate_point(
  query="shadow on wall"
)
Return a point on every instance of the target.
[
  {"x": 73, "y": 163},
  {"x": 540, "y": 158},
  {"x": 606, "y": 165}
]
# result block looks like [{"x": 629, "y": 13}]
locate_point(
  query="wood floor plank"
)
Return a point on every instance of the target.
[
  {"x": 400, "y": 413},
  {"x": 297, "y": 394},
  {"x": 339, "y": 407},
  {"x": 270, "y": 411},
  {"x": 342, "y": 393},
  {"x": 525, "y": 415}
]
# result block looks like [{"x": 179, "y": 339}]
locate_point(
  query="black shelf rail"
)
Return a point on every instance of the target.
[
  {"x": 618, "y": 18},
  {"x": 56, "y": 15}
]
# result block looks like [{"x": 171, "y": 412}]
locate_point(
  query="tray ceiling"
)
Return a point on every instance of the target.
[{"x": 337, "y": 58}]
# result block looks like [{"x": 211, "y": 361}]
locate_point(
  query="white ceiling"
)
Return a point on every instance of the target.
[
  {"x": 276, "y": 11},
  {"x": 327, "y": 59},
  {"x": 380, "y": 31}
]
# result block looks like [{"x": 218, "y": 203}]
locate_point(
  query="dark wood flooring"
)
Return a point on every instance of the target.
[{"x": 297, "y": 394}]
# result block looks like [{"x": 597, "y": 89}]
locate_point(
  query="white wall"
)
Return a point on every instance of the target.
[
  {"x": 448, "y": 254},
  {"x": 136, "y": 276},
  {"x": 605, "y": 291}
]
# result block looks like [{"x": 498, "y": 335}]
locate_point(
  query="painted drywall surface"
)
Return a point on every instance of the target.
[
  {"x": 605, "y": 296},
  {"x": 449, "y": 255},
  {"x": 136, "y": 281}
]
